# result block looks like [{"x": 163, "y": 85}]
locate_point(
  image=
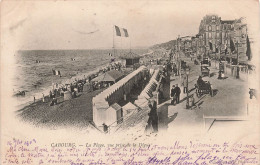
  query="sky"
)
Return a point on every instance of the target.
[{"x": 32, "y": 25}]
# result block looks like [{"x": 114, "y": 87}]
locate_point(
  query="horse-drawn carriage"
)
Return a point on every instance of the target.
[
  {"x": 206, "y": 61},
  {"x": 183, "y": 64},
  {"x": 203, "y": 88},
  {"x": 205, "y": 71}
]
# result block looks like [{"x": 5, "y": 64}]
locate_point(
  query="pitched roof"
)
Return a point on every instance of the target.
[
  {"x": 227, "y": 21},
  {"x": 129, "y": 106},
  {"x": 115, "y": 106}
]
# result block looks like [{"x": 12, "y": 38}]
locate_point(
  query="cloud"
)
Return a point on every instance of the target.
[
  {"x": 81, "y": 32},
  {"x": 20, "y": 23}
]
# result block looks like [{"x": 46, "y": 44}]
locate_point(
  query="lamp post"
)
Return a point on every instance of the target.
[
  {"x": 216, "y": 52},
  {"x": 205, "y": 52},
  {"x": 187, "y": 70},
  {"x": 215, "y": 55},
  {"x": 237, "y": 76}
]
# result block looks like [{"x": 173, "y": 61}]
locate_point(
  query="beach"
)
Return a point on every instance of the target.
[
  {"x": 37, "y": 78},
  {"x": 76, "y": 112}
]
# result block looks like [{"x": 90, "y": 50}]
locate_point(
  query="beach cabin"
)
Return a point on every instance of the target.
[
  {"x": 114, "y": 114},
  {"x": 131, "y": 60},
  {"x": 109, "y": 98},
  {"x": 129, "y": 108}
]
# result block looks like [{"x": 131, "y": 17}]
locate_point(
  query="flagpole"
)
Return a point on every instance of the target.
[
  {"x": 130, "y": 44},
  {"x": 121, "y": 40},
  {"x": 114, "y": 40}
]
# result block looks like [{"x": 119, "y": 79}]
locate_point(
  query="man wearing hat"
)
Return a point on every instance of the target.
[
  {"x": 173, "y": 94},
  {"x": 178, "y": 92}
]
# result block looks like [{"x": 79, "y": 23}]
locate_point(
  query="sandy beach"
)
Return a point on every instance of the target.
[{"x": 76, "y": 112}]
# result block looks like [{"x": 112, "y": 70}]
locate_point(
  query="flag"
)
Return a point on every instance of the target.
[
  {"x": 248, "y": 50},
  {"x": 232, "y": 45},
  {"x": 121, "y": 32},
  {"x": 118, "y": 33},
  {"x": 126, "y": 33},
  {"x": 210, "y": 45}
]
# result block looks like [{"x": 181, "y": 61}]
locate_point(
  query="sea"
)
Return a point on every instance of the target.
[{"x": 37, "y": 79}]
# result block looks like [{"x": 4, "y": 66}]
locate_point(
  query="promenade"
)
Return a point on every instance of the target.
[{"x": 230, "y": 101}]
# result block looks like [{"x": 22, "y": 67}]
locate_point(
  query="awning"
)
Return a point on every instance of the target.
[{"x": 112, "y": 75}]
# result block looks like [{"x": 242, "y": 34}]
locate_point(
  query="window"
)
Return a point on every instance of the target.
[
  {"x": 217, "y": 35},
  {"x": 213, "y": 28},
  {"x": 210, "y": 35},
  {"x": 209, "y": 28},
  {"x": 217, "y": 27}
]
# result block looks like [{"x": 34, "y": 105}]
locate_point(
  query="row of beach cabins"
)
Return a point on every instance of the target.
[{"x": 106, "y": 108}]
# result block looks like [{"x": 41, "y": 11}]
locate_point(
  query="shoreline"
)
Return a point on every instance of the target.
[
  {"x": 76, "y": 112},
  {"x": 38, "y": 96}
]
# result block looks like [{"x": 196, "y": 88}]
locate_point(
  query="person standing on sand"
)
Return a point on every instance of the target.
[{"x": 43, "y": 98}]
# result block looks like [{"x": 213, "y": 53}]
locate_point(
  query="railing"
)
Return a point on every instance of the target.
[{"x": 223, "y": 118}]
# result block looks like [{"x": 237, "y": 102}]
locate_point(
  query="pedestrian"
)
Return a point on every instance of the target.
[
  {"x": 192, "y": 99},
  {"x": 105, "y": 128},
  {"x": 50, "y": 94},
  {"x": 173, "y": 95},
  {"x": 43, "y": 98},
  {"x": 34, "y": 99},
  {"x": 178, "y": 92},
  {"x": 153, "y": 117}
]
